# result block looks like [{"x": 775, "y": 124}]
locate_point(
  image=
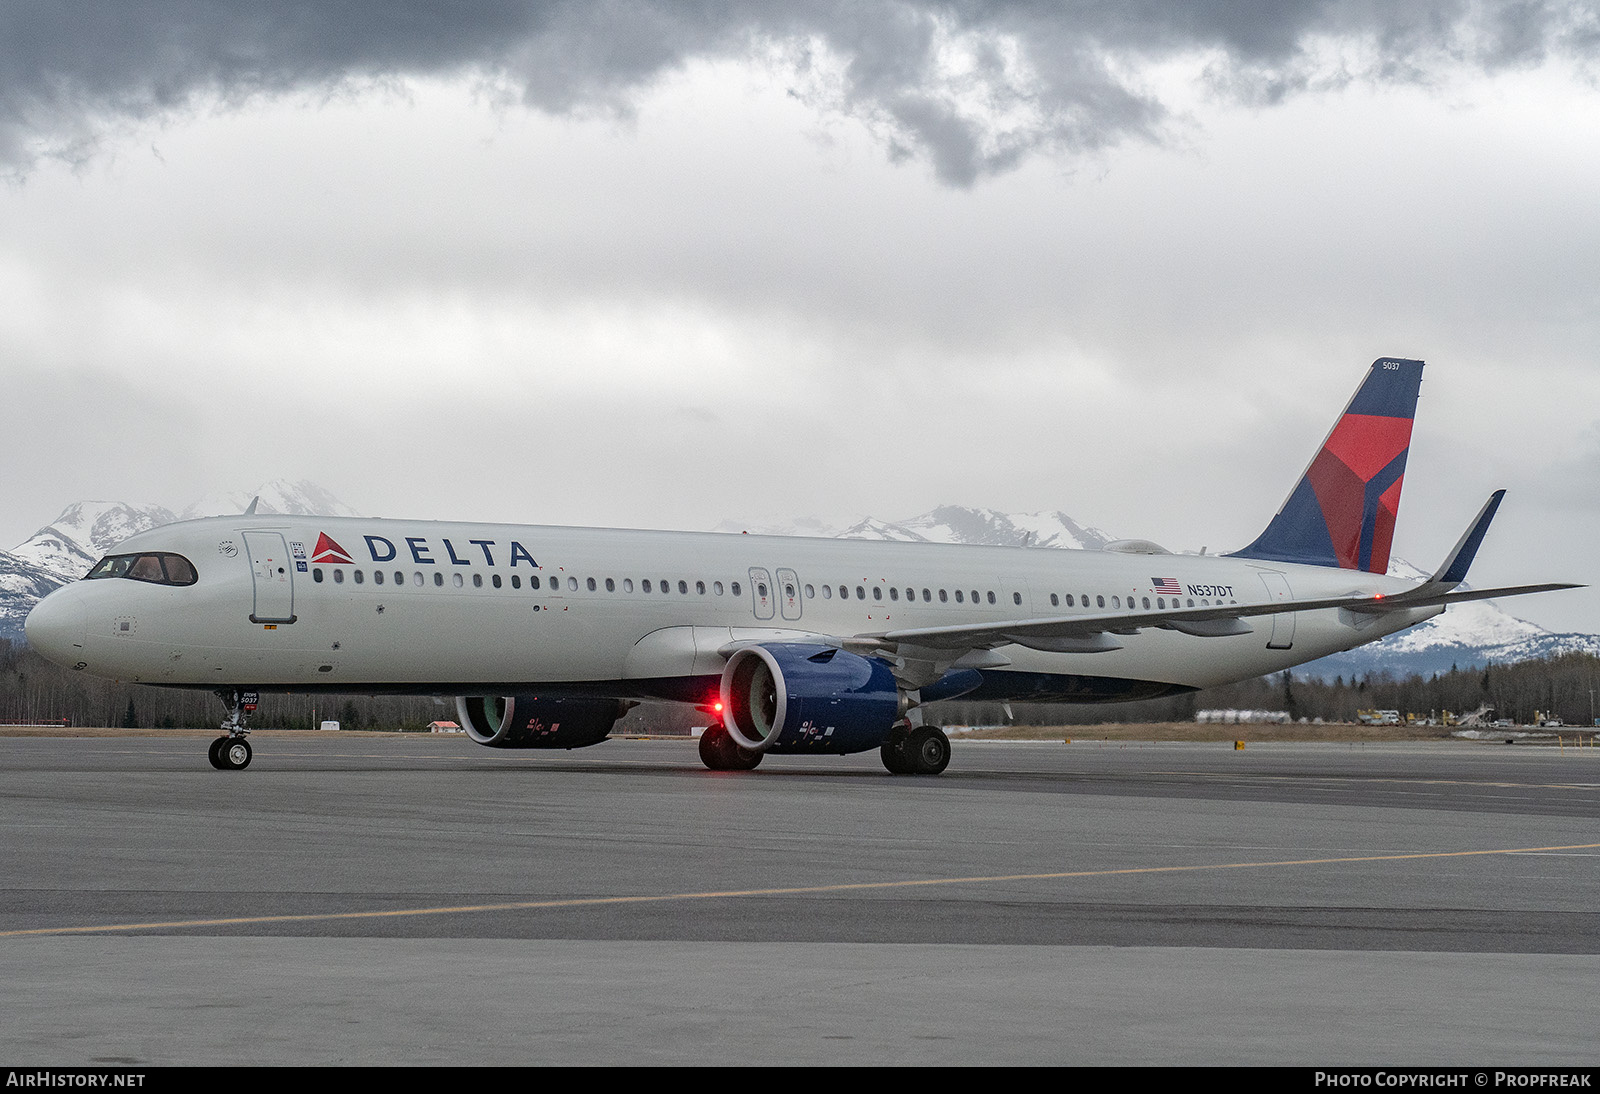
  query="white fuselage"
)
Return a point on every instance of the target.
[{"x": 449, "y": 608}]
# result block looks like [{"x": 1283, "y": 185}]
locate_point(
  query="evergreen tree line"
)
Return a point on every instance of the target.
[{"x": 33, "y": 690}]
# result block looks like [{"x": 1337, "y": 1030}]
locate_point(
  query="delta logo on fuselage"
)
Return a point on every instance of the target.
[{"x": 422, "y": 552}]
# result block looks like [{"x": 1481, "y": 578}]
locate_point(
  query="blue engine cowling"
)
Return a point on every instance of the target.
[
  {"x": 527, "y": 721},
  {"x": 796, "y": 697}
]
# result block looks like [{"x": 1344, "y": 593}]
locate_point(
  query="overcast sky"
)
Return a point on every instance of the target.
[{"x": 676, "y": 264}]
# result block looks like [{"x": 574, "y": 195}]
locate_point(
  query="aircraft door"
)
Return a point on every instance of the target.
[
  {"x": 273, "y": 574},
  {"x": 1282, "y": 624},
  {"x": 788, "y": 592},
  {"x": 761, "y": 593}
]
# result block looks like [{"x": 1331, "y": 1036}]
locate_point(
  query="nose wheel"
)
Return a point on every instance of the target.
[{"x": 230, "y": 753}]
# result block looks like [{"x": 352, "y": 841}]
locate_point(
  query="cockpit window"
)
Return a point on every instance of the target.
[{"x": 158, "y": 568}]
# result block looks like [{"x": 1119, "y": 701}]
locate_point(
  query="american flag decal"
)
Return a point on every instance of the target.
[{"x": 1167, "y": 585}]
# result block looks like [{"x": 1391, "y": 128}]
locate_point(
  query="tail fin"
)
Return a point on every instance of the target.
[{"x": 1343, "y": 510}]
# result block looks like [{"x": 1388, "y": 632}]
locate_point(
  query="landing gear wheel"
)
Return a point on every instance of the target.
[
  {"x": 893, "y": 752},
  {"x": 214, "y": 753},
  {"x": 234, "y": 754},
  {"x": 720, "y": 752},
  {"x": 928, "y": 749}
]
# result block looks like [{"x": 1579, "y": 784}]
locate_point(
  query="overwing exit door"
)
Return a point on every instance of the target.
[{"x": 1283, "y": 623}]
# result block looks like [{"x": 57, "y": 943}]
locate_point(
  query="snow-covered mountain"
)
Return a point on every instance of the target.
[
  {"x": 959, "y": 524},
  {"x": 64, "y": 549},
  {"x": 294, "y": 499},
  {"x": 947, "y": 524},
  {"x": 22, "y": 585},
  {"x": 84, "y": 532}
]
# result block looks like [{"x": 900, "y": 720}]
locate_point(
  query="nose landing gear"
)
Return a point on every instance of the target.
[{"x": 232, "y": 752}]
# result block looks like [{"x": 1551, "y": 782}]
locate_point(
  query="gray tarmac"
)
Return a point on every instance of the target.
[{"x": 387, "y": 900}]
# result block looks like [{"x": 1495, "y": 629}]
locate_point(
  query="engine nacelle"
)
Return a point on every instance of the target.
[
  {"x": 527, "y": 721},
  {"x": 796, "y": 697}
]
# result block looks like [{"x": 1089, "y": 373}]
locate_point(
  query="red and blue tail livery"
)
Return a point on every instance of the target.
[{"x": 1342, "y": 512}]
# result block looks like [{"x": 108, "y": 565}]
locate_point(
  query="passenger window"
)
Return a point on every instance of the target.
[
  {"x": 477, "y": 581},
  {"x": 1069, "y": 600},
  {"x": 1116, "y": 602},
  {"x": 1055, "y": 601},
  {"x": 844, "y": 592},
  {"x": 943, "y": 599},
  {"x": 716, "y": 587},
  {"x": 377, "y": 577},
  {"x": 960, "y": 597},
  {"x": 1016, "y": 598},
  {"x": 811, "y": 594},
  {"x": 533, "y": 581},
  {"x": 974, "y": 596},
  {"x": 700, "y": 588},
  {"x": 516, "y": 581},
  {"x": 359, "y": 576},
  {"x": 416, "y": 579},
  {"x": 666, "y": 587},
  {"x": 399, "y": 577},
  {"x": 1101, "y": 601},
  {"x": 734, "y": 588},
  {"x": 645, "y": 585},
  {"x": 788, "y": 592},
  {"x": 683, "y": 587},
  {"x": 455, "y": 579},
  {"x": 572, "y": 584},
  {"x": 496, "y": 580},
  {"x": 926, "y": 596},
  {"x": 316, "y": 574},
  {"x": 611, "y": 585},
  {"x": 438, "y": 578},
  {"x": 627, "y": 584},
  {"x": 861, "y": 593},
  {"x": 591, "y": 584},
  {"x": 827, "y": 592},
  {"x": 338, "y": 576},
  {"x": 761, "y": 589},
  {"x": 1146, "y": 602},
  {"x": 894, "y": 593}
]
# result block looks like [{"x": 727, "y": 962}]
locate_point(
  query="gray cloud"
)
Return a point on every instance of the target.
[{"x": 973, "y": 88}]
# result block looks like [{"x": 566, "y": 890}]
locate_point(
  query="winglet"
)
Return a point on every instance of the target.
[
  {"x": 1453, "y": 571},
  {"x": 250, "y": 510}
]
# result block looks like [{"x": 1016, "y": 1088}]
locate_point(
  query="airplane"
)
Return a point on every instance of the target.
[{"x": 548, "y": 635}]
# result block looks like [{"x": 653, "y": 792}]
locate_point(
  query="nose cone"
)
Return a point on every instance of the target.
[{"x": 57, "y": 625}]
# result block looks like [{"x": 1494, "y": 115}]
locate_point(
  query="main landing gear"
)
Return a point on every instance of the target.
[
  {"x": 720, "y": 752},
  {"x": 232, "y": 752},
  {"x": 924, "y": 750}
]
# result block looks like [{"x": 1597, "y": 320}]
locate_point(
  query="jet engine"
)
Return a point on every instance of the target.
[
  {"x": 796, "y": 697},
  {"x": 528, "y": 721}
]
